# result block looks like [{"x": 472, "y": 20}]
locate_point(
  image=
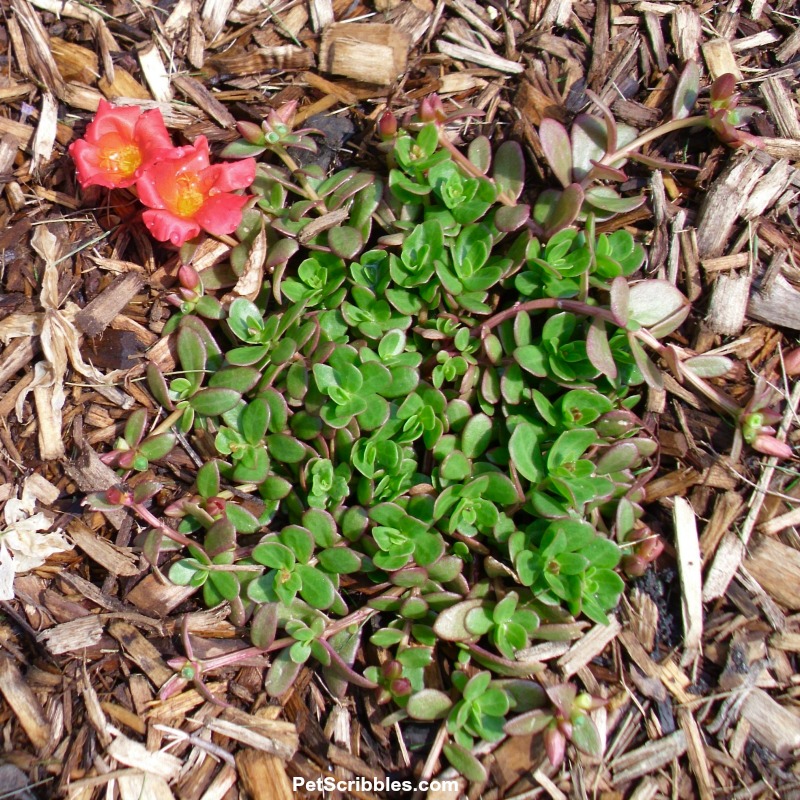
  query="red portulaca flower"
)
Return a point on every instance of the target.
[
  {"x": 186, "y": 194},
  {"x": 120, "y": 143}
]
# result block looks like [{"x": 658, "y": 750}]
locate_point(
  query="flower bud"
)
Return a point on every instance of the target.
[
  {"x": 126, "y": 460},
  {"x": 215, "y": 506},
  {"x": 650, "y": 548},
  {"x": 387, "y": 126},
  {"x": 791, "y": 362},
  {"x": 392, "y": 670},
  {"x": 431, "y": 109},
  {"x": 722, "y": 89},
  {"x": 634, "y": 566},
  {"x": 251, "y": 132},
  {"x": 770, "y": 446},
  {"x": 188, "y": 277},
  {"x": 555, "y": 745},
  {"x": 400, "y": 687},
  {"x": 116, "y": 496}
]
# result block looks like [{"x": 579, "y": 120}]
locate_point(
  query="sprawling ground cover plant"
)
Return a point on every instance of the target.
[{"x": 423, "y": 419}]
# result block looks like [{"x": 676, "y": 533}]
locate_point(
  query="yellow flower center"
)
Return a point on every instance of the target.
[
  {"x": 122, "y": 161},
  {"x": 189, "y": 197}
]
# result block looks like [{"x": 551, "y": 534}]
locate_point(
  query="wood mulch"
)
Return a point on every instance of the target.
[{"x": 700, "y": 664}]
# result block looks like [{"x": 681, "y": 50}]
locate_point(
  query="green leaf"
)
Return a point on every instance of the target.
[
  {"x": 345, "y": 242},
  {"x": 156, "y": 447},
  {"x": 463, "y": 761},
  {"x": 557, "y": 149},
  {"x": 225, "y": 583},
  {"x": 658, "y": 306},
  {"x": 340, "y": 560},
  {"x": 185, "y": 571},
  {"x": 274, "y": 555},
  {"x": 214, "y": 402},
  {"x": 570, "y": 446},
  {"x": 509, "y": 169},
  {"x": 523, "y": 449},
  {"x": 428, "y": 705},
  {"x": 285, "y": 449},
  {"x": 317, "y": 589},
  {"x": 208, "y": 484},
  {"x": 476, "y": 436}
]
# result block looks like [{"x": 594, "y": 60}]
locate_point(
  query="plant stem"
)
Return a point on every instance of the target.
[
  {"x": 294, "y": 168},
  {"x": 649, "y": 136}
]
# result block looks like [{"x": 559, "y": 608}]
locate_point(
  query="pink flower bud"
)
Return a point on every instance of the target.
[
  {"x": 723, "y": 88},
  {"x": 791, "y": 362},
  {"x": 770, "y": 446},
  {"x": 215, "y": 506},
  {"x": 251, "y": 132},
  {"x": 188, "y": 277},
  {"x": 555, "y": 745},
  {"x": 634, "y": 566},
  {"x": 387, "y": 126},
  {"x": 401, "y": 687},
  {"x": 432, "y": 110}
]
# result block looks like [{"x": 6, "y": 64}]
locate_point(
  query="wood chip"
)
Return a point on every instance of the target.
[
  {"x": 24, "y": 704},
  {"x": 781, "y": 106},
  {"x": 695, "y": 750},
  {"x": 727, "y": 308},
  {"x": 589, "y": 646},
  {"x": 134, "y": 754},
  {"x": 776, "y": 567},
  {"x": 720, "y": 59},
  {"x": 263, "y": 776},
  {"x": 141, "y": 652},
  {"x": 651, "y": 757},
  {"x": 73, "y": 635},
  {"x": 689, "y": 568},
  {"x": 486, "y": 58},
  {"x": 97, "y": 315},
  {"x": 724, "y": 202},
  {"x": 772, "y": 725},
  {"x": 275, "y": 737},
  {"x": 369, "y": 52},
  {"x": 117, "y": 560},
  {"x": 155, "y": 73}
]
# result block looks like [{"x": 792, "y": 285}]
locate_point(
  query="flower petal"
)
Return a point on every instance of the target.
[
  {"x": 234, "y": 175},
  {"x": 111, "y": 119},
  {"x": 168, "y": 227},
  {"x": 221, "y": 213}
]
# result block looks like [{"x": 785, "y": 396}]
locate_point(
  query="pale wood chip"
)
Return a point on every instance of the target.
[
  {"x": 321, "y": 14},
  {"x": 117, "y": 560},
  {"x": 275, "y": 737},
  {"x": 727, "y": 308},
  {"x": 782, "y": 148},
  {"x": 776, "y": 567},
  {"x": 263, "y": 776},
  {"x": 214, "y": 16},
  {"x": 74, "y": 635},
  {"x": 772, "y": 725},
  {"x": 589, "y": 646},
  {"x": 768, "y": 190},
  {"x": 485, "y": 58},
  {"x": 45, "y": 136},
  {"x": 685, "y": 31},
  {"x": 370, "y": 52},
  {"x": 695, "y": 750},
  {"x": 139, "y": 786},
  {"x": 720, "y": 59},
  {"x": 649, "y": 758},
  {"x": 134, "y": 754},
  {"x": 204, "y": 98},
  {"x": 787, "y": 50},
  {"x": 155, "y": 73},
  {"x": 24, "y": 704},
  {"x": 157, "y": 597},
  {"x": 724, "y": 202},
  {"x": 725, "y": 263},
  {"x": 782, "y": 107}
]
